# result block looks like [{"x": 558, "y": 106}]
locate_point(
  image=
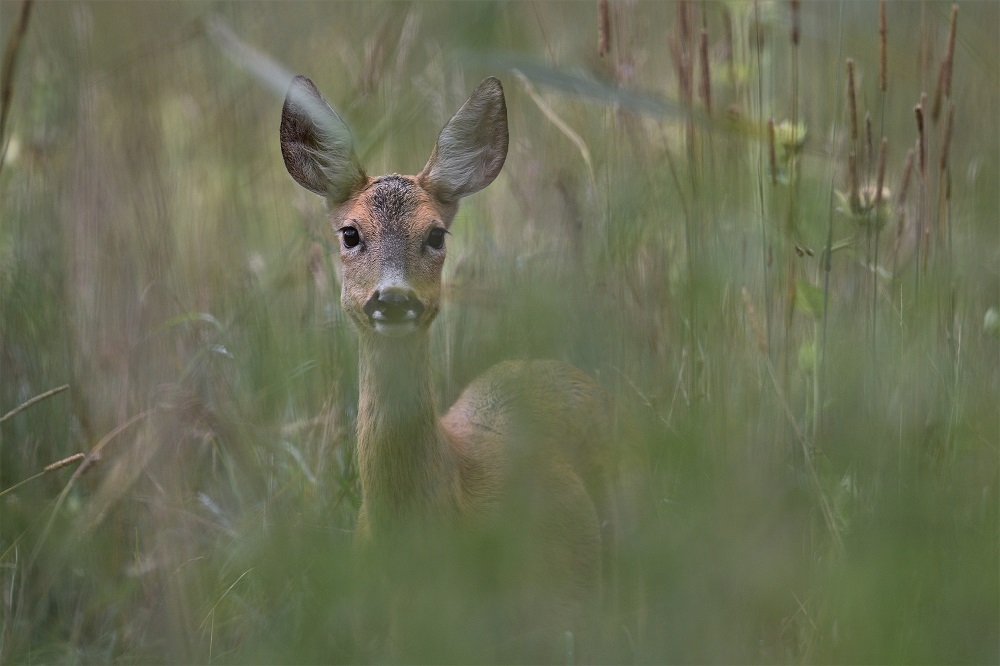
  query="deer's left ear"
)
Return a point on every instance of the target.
[{"x": 471, "y": 148}]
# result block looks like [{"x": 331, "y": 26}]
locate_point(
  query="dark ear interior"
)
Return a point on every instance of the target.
[
  {"x": 472, "y": 147},
  {"x": 316, "y": 145}
]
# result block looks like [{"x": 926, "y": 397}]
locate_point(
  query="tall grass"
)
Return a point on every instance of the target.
[{"x": 796, "y": 482}]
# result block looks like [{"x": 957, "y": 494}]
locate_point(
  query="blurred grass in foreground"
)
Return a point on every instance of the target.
[{"x": 807, "y": 461}]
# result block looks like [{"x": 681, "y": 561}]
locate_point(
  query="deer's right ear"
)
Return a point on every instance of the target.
[{"x": 316, "y": 144}]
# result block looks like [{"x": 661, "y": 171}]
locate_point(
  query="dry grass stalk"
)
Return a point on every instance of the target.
[
  {"x": 852, "y": 102},
  {"x": 772, "y": 153},
  {"x": 795, "y": 22},
  {"x": 561, "y": 125},
  {"x": 918, "y": 112},
  {"x": 705, "y": 89},
  {"x": 880, "y": 174},
  {"x": 59, "y": 464},
  {"x": 904, "y": 188},
  {"x": 944, "y": 177},
  {"x": 852, "y": 182},
  {"x": 683, "y": 23},
  {"x": 28, "y": 403},
  {"x": 603, "y": 28},
  {"x": 869, "y": 142},
  {"x": 943, "y": 89},
  {"x": 923, "y": 238},
  {"x": 883, "y": 50},
  {"x": 680, "y": 49},
  {"x": 904, "y": 184},
  {"x": 677, "y": 53}
]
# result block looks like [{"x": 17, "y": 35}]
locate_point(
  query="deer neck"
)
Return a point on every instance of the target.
[{"x": 406, "y": 465}]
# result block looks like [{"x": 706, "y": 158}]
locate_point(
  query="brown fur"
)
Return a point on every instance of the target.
[{"x": 525, "y": 441}]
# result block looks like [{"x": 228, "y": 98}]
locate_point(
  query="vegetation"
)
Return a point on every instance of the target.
[{"x": 769, "y": 233}]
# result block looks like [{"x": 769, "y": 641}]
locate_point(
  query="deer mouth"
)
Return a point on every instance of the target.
[{"x": 395, "y": 330}]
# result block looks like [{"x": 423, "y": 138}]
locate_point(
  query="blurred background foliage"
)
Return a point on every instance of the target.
[{"x": 807, "y": 459}]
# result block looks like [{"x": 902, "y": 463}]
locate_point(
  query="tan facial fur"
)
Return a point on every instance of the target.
[{"x": 394, "y": 218}]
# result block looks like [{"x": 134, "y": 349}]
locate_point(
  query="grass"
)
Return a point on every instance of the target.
[{"x": 808, "y": 450}]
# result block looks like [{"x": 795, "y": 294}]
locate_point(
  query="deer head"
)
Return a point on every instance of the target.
[{"x": 392, "y": 228}]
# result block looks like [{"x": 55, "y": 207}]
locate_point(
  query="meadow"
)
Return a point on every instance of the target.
[{"x": 770, "y": 231}]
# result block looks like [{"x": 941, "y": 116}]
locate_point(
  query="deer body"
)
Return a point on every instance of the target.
[{"x": 526, "y": 439}]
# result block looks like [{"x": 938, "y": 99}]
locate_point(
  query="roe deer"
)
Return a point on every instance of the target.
[{"x": 526, "y": 439}]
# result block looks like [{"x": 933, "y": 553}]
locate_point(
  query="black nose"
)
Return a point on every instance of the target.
[{"x": 394, "y": 306}]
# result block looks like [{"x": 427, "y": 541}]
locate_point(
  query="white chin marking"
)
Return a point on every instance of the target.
[{"x": 395, "y": 330}]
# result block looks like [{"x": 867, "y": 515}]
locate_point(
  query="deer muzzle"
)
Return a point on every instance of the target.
[{"x": 394, "y": 311}]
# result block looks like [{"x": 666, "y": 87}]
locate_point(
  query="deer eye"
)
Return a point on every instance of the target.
[
  {"x": 350, "y": 237},
  {"x": 435, "y": 239}
]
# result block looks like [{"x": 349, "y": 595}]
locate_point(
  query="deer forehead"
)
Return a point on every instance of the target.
[{"x": 393, "y": 207}]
